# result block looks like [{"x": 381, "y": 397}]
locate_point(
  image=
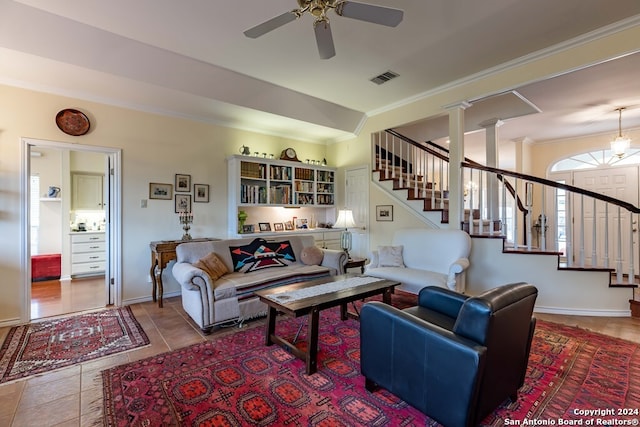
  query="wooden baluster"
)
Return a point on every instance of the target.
[
  {"x": 529, "y": 203},
  {"x": 544, "y": 220},
  {"x": 441, "y": 188},
  {"x": 481, "y": 215},
  {"x": 619, "y": 255},
  {"x": 631, "y": 251},
  {"x": 606, "y": 235},
  {"x": 401, "y": 143},
  {"x": 386, "y": 151},
  {"x": 417, "y": 158},
  {"x": 569, "y": 227},
  {"x": 581, "y": 249},
  {"x": 503, "y": 219},
  {"x": 594, "y": 252},
  {"x": 514, "y": 215}
]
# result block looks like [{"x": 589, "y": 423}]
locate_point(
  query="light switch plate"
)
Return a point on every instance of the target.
[{"x": 143, "y": 203}]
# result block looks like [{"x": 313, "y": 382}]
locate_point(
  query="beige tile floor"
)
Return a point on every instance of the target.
[{"x": 73, "y": 396}]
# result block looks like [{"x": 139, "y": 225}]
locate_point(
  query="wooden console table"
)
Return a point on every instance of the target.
[{"x": 163, "y": 252}]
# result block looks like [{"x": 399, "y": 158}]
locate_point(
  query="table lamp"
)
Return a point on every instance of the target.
[{"x": 345, "y": 220}]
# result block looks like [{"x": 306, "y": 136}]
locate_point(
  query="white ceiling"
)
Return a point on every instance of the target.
[{"x": 190, "y": 59}]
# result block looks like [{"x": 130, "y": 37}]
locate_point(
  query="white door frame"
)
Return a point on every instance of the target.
[{"x": 112, "y": 233}]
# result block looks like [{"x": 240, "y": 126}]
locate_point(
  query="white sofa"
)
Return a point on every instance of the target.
[
  {"x": 431, "y": 257},
  {"x": 231, "y": 297}
]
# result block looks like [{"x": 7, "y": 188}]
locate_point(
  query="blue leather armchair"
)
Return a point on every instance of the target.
[{"x": 453, "y": 357}]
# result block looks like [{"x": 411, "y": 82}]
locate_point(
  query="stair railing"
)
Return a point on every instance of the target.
[
  {"x": 417, "y": 166},
  {"x": 597, "y": 228},
  {"x": 423, "y": 168}
]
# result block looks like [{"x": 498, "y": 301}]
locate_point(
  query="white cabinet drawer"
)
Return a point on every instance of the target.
[
  {"x": 88, "y": 247},
  {"x": 89, "y": 257},
  {"x": 87, "y": 238},
  {"x": 88, "y": 268}
]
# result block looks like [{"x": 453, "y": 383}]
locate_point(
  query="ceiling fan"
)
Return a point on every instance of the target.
[{"x": 319, "y": 8}]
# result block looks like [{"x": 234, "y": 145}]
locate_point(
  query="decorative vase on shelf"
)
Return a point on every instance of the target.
[{"x": 242, "y": 217}]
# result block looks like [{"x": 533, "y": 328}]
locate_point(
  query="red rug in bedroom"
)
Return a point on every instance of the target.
[
  {"x": 44, "y": 346},
  {"x": 237, "y": 381}
]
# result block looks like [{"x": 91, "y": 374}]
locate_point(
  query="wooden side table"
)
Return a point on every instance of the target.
[
  {"x": 356, "y": 262},
  {"x": 163, "y": 252}
]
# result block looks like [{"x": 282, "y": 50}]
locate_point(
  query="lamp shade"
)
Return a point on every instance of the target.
[{"x": 345, "y": 219}]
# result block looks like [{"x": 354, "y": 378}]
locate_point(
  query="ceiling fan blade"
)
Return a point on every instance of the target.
[
  {"x": 324, "y": 39},
  {"x": 371, "y": 13},
  {"x": 270, "y": 25}
]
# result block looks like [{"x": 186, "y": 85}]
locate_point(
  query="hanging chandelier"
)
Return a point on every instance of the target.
[{"x": 621, "y": 143}]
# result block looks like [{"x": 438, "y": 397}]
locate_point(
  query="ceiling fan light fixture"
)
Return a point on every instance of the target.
[
  {"x": 389, "y": 17},
  {"x": 620, "y": 144}
]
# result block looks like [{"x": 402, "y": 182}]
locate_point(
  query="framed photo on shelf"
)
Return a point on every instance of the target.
[
  {"x": 278, "y": 226},
  {"x": 384, "y": 213},
  {"x": 288, "y": 225},
  {"x": 301, "y": 223},
  {"x": 183, "y": 203},
  {"x": 183, "y": 183},
  {"x": 160, "y": 191},
  {"x": 264, "y": 226},
  {"x": 248, "y": 228},
  {"x": 201, "y": 193}
]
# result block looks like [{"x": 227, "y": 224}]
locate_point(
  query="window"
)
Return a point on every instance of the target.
[{"x": 597, "y": 158}]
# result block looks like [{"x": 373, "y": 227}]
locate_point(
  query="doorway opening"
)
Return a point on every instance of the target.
[{"x": 71, "y": 248}]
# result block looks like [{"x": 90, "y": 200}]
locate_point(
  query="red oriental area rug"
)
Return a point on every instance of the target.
[
  {"x": 237, "y": 381},
  {"x": 41, "y": 347}
]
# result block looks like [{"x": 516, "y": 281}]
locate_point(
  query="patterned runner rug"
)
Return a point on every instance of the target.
[
  {"x": 52, "y": 344},
  {"x": 237, "y": 381}
]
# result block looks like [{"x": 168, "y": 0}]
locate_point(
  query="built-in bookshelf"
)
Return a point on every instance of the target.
[{"x": 255, "y": 182}]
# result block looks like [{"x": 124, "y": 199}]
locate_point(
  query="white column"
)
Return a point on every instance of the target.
[
  {"x": 456, "y": 156},
  {"x": 491, "y": 149}
]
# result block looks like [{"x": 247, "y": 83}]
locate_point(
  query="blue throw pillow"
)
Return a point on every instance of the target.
[{"x": 260, "y": 254}]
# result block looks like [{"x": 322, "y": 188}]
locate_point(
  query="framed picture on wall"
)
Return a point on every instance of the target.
[
  {"x": 160, "y": 191},
  {"x": 201, "y": 193},
  {"x": 384, "y": 213},
  {"x": 183, "y": 183},
  {"x": 183, "y": 203}
]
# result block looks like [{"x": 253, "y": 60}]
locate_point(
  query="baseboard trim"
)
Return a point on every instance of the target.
[
  {"x": 10, "y": 322},
  {"x": 583, "y": 312},
  {"x": 166, "y": 295}
]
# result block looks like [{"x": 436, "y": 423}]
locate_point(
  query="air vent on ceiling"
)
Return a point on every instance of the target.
[{"x": 384, "y": 77}]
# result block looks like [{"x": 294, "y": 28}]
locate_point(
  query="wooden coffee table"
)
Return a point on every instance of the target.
[{"x": 311, "y": 298}]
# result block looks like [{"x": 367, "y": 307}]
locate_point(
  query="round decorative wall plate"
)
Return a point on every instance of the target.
[{"x": 72, "y": 122}]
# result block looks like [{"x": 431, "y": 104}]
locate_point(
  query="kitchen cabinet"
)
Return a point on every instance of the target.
[
  {"x": 88, "y": 253},
  {"x": 87, "y": 191}
]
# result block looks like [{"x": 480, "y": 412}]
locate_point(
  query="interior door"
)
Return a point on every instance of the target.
[
  {"x": 620, "y": 183},
  {"x": 357, "y": 199}
]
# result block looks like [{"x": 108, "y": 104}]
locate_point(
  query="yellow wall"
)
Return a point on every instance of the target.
[{"x": 154, "y": 149}]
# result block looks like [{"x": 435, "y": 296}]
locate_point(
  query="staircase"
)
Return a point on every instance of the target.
[{"x": 499, "y": 205}]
